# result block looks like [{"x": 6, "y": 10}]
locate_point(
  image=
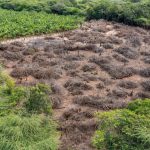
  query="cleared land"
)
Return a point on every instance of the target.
[{"x": 101, "y": 66}]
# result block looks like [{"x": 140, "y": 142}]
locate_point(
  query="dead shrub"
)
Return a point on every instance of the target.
[
  {"x": 145, "y": 53},
  {"x": 106, "y": 81},
  {"x": 72, "y": 73},
  {"x": 18, "y": 44},
  {"x": 100, "y": 60},
  {"x": 42, "y": 73},
  {"x": 76, "y": 85},
  {"x": 98, "y": 102},
  {"x": 146, "y": 59},
  {"x": 59, "y": 51},
  {"x": 14, "y": 48},
  {"x": 108, "y": 46},
  {"x": 56, "y": 89},
  {"x": 127, "y": 52},
  {"x": 120, "y": 58},
  {"x": 118, "y": 72},
  {"x": 29, "y": 51},
  {"x": 70, "y": 66},
  {"x": 77, "y": 92},
  {"x": 44, "y": 59},
  {"x": 87, "y": 126},
  {"x": 53, "y": 62},
  {"x": 146, "y": 85},
  {"x": 127, "y": 84},
  {"x": 13, "y": 56},
  {"x": 115, "y": 40},
  {"x": 100, "y": 85},
  {"x": 88, "y": 68},
  {"x": 147, "y": 39},
  {"x": 118, "y": 93},
  {"x": 77, "y": 114},
  {"x": 89, "y": 77},
  {"x": 92, "y": 47},
  {"x": 141, "y": 95},
  {"x": 3, "y": 47},
  {"x": 134, "y": 40},
  {"x": 56, "y": 101},
  {"x": 48, "y": 48},
  {"x": 74, "y": 57},
  {"x": 145, "y": 72},
  {"x": 21, "y": 72}
]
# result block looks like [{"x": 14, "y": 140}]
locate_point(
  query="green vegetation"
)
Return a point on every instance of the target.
[
  {"x": 63, "y": 7},
  {"x": 25, "y": 117},
  {"x": 27, "y": 133},
  {"x": 132, "y": 12},
  {"x": 38, "y": 100},
  {"x": 126, "y": 129},
  {"x": 33, "y": 17},
  {"x": 15, "y": 24}
]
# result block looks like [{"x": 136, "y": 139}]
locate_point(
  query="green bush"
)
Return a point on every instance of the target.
[
  {"x": 128, "y": 12},
  {"x": 48, "y": 6},
  {"x": 141, "y": 107},
  {"x": 27, "y": 133},
  {"x": 38, "y": 100},
  {"x": 9, "y": 92},
  {"x": 127, "y": 129},
  {"x": 6, "y": 82}
]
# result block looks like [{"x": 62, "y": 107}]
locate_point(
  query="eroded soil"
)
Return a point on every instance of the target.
[{"x": 99, "y": 67}]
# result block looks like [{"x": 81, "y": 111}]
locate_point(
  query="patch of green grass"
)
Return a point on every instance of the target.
[
  {"x": 15, "y": 24},
  {"x": 126, "y": 129},
  {"x": 27, "y": 133}
]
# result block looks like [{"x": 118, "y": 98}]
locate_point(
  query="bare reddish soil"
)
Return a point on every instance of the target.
[{"x": 99, "y": 67}]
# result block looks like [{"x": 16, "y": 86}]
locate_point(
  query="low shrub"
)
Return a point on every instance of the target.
[
  {"x": 128, "y": 12},
  {"x": 6, "y": 82},
  {"x": 126, "y": 129},
  {"x": 38, "y": 100},
  {"x": 63, "y": 7}
]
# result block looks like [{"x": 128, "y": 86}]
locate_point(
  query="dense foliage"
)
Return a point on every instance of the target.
[
  {"x": 24, "y": 125},
  {"x": 65, "y": 7},
  {"x": 27, "y": 133},
  {"x": 126, "y": 129},
  {"x": 134, "y": 12},
  {"x": 14, "y": 24}
]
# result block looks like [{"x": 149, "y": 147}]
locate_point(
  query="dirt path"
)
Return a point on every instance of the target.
[{"x": 99, "y": 67}]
